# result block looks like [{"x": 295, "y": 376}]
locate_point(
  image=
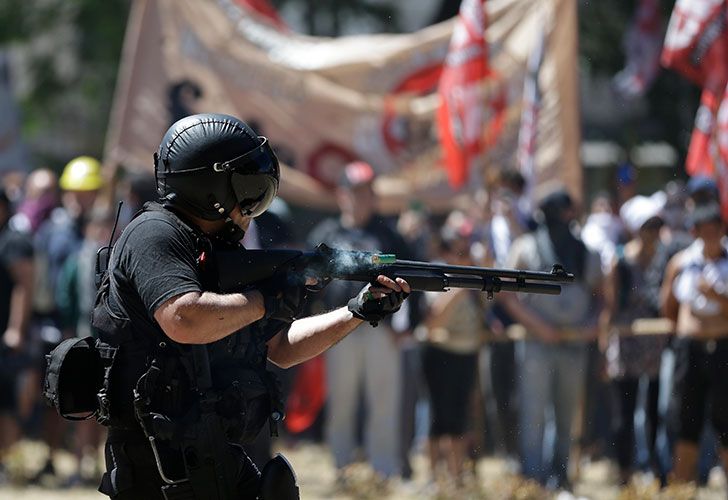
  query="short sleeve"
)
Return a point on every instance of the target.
[{"x": 160, "y": 262}]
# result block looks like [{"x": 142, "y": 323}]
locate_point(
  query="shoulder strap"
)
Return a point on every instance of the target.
[{"x": 202, "y": 242}]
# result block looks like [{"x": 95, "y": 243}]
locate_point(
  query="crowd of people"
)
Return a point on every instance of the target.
[{"x": 532, "y": 377}]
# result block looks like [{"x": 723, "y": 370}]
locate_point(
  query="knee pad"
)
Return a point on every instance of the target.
[{"x": 278, "y": 481}]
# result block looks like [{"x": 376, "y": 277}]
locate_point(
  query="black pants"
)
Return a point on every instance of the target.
[
  {"x": 132, "y": 471},
  {"x": 700, "y": 388},
  {"x": 626, "y": 391},
  {"x": 503, "y": 382},
  {"x": 450, "y": 378}
]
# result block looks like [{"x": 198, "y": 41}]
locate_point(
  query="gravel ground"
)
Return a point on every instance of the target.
[{"x": 317, "y": 481}]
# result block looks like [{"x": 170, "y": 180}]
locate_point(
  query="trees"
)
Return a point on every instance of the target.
[
  {"x": 667, "y": 109},
  {"x": 65, "y": 58}
]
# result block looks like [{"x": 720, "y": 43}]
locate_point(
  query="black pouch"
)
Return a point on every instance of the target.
[{"x": 75, "y": 375}]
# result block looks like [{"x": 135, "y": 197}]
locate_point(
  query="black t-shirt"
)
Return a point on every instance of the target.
[
  {"x": 14, "y": 247},
  {"x": 153, "y": 260}
]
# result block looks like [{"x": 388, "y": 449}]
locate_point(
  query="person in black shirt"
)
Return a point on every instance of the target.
[
  {"x": 368, "y": 361},
  {"x": 188, "y": 383},
  {"x": 16, "y": 291}
]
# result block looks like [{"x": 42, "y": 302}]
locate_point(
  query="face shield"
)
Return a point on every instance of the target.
[{"x": 253, "y": 178}]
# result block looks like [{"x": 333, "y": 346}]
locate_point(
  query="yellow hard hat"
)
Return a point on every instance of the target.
[{"x": 81, "y": 174}]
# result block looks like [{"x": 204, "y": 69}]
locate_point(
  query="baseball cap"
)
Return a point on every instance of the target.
[
  {"x": 639, "y": 209},
  {"x": 700, "y": 214},
  {"x": 700, "y": 185},
  {"x": 355, "y": 174}
]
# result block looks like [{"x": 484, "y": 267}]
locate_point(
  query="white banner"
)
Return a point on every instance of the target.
[{"x": 323, "y": 101}]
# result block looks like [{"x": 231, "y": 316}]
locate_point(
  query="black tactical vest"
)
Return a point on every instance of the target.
[{"x": 236, "y": 381}]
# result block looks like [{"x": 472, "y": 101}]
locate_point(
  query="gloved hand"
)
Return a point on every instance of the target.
[
  {"x": 374, "y": 304},
  {"x": 284, "y": 297}
]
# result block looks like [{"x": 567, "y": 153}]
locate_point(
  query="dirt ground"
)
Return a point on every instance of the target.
[{"x": 493, "y": 480}]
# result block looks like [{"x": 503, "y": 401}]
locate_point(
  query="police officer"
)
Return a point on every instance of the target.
[{"x": 188, "y": 382}]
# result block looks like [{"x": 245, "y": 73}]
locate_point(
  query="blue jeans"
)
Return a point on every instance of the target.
[{"x": 551, "y": 385}]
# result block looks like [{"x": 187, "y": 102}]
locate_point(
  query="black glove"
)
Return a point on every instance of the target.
[
  {"x": 284, "y": 297},
  {"x": 366, "y": 307}
]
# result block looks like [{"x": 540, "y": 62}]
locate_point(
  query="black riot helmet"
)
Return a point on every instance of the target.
[{"x": 209, "y": 163}]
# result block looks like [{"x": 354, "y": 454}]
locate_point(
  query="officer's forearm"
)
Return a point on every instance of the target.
[
  {"x": 309, "y": 337},
  {"x": 202, "y": 318}
]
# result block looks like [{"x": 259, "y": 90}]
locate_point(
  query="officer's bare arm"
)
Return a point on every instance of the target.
[
  {"x": 202, "y": 318},
  {"x": 309, "y": 337}
]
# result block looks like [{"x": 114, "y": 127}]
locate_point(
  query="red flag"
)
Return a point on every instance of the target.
[
  {"x": 721, "y": 140},
  {"x": 265, "y": 10},
  {"x": 642, "y": 44},
  {"x": 307, "y": 396},
  {"x": 696, "y": 45},
  {"x": 695, "y": 42},
  {"x": 700, "y": 155},
  {"x": 460, "y": 116}
]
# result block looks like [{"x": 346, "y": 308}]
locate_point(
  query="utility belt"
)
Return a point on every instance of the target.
[
  {"x": 202, "y": 434},
  {"x": 87, "y": 378},
  {"x": 174, "y": 403}
]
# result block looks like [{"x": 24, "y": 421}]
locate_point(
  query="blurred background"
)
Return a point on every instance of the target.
[
  {"x": 590, "y": 96},
  {"x": 61, "y": 59}
]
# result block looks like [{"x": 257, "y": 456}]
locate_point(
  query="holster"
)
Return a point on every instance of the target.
[{"x": 211, "y": 466}]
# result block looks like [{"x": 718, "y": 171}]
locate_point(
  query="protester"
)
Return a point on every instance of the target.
[
  {"x": 450, "y": 359},
  {"x": 602, "y": 229},
  {"x": 369, "y": 359},
  {"x": 506, "y": 225},
  {"x": 135, "y": 189},
  {"x": 553, "y": 356},
  {"x": 601, "y": 233},
  {"x": 631, "y": 358},
  {"x": 59, "y": 237},
  {"x": 40, "y": 198},
  {"x": 414, "y": 226},
  {"x": 693, "y": 295},
  {"x": 16, "y": 291},
  {"x": 75, "y": 297}
]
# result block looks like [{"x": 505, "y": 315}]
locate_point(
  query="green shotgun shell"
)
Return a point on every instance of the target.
[{"x": 384, "y": 258}]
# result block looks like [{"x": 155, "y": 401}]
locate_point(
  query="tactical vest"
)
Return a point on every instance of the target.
[{"x": 165, "y": 386}]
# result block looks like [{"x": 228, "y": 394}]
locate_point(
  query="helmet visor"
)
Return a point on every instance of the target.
[{"x": 254, "y": 179}]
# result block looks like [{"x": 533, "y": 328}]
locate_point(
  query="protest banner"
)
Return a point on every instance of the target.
[{"x": 325, "y": 101}]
